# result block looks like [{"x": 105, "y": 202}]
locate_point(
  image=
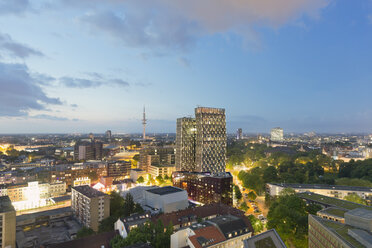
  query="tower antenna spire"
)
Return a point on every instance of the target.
[{"x": 144, "y": 122}]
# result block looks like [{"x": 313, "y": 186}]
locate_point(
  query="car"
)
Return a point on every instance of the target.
[{"x": 261, "y": 217}]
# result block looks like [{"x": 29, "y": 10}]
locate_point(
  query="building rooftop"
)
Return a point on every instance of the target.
[
  {"x": 205, "y": 174},
  {"x": 331, "y": 201},
  {"x": 6, "y": 204},
  {"x": 206, "y": 236},
  {"x": 322, "y": 186},
  {"x": 340, "y": 230},
  {"x": 165, "y": 190},
  {"x": 139, "y": 245},
  {"x": 61, "y": 198},
  {"x": 333, "y": 211},
  {"x": 230, "y": 225},
  {"x": 268, "y": 239},
  {"x": 47, "y": 213},
  {"x": 88, "y": 191},
  {"x": 93, "y": 241},
  {"x": 361, "y": 213}
]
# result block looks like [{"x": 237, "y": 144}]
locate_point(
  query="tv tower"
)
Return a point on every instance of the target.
[{"x": 144, "y": 121}]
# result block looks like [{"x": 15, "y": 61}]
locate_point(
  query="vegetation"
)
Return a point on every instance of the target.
[
  {"x": 155, "y": 234},
  {"x": 353, "y": 182},
  {"x": 140, "y": 179},
  {"x": 238, "y": 194},
  {"x": 288, "y": 215},
  {"x": 244, "y": 207},
  {"x": 84, "y": 232},
  {"x": 256, "y": 224},
  {"x": 252, "y": 196},
  {"x": 357, "y": 169},
  {"x": 355, "y": 198},
  {"x": 119, "y": 207}
]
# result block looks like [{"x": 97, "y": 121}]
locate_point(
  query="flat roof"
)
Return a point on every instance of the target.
[
  {"x": 361, "y": 213},
  {"x": 61, "y": 198},
  {"x": 88, "y": 191},
  {"x": 44, "y": 213},
  {"x": 165, "y": 190},
  {"x": 340, "y": 230},
  {"x": 334, "y": 211},
  {"x": 322, "y": 186},
  {"x": 331, "y": 201},
  {"x": 6, "y": 204},
  {"x": 268, "y": 239}
]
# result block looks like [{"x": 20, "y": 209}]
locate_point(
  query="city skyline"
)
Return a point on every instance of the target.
[{"x": 93, "y": 66}]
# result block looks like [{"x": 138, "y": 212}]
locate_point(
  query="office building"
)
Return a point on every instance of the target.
[
  {"x": 277, "y": 134},
  {"x": 88, "y": 150},
  {"x": 118, "y": 169},
  {"x": 210, "y": 140},
  {"x": 354, "y": 233},
  {"x": 108, "y": 135},
  {"x": 201, "y": 142},
  {"x": 185, "y": 143},
  {"x": 33, "y": 194},
  {"x": 268, "y": 239},
  {"x": 7, "y": 223},
  {"x": 156, "y": 156},
  {"x": 166, "y": 199},
  {"x": 239, "y": 134},
  {"x": 225, "y": 231},
  {"x": 337, "y": 191},
  {"x": 90, "y": 206},
  {"x": 205, "y": 187}
]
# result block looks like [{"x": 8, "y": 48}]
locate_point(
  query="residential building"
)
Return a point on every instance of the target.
[
  {"x": 222, "y": 231},
  {"x": 90, "y": 206},
  {"x": 268, "y": 239},
  {"x": 185, "y": 143},
  {"x": 161, "y": 170},
  {"x": 100, "y": 240},
  {"x": 205, "y": 187},
  {"x": 125, "y": 225},
  {"x": 118, "y": 169},
  {"x": 189, "y": 216},
  {"x": 201, "y": 142},
  {"x": 277, "y": 134},
  {"x": 336, "y": 191},
  {"x": 7, "y": 223},
  {"x": 156, "y": 156},
  {"x": 108, "y": 135},
  {"x": 136, "y": 173}
]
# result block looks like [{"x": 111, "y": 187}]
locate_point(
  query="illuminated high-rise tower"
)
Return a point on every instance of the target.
[{"x": 144, "y": 121}]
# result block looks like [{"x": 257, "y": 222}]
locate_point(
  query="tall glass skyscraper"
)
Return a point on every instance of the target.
[{"x": 201, "y": 142}]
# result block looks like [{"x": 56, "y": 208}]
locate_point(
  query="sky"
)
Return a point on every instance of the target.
[{"x": 70, "y": 66}]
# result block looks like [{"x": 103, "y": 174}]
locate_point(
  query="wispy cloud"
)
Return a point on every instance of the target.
[
  {"x": 20, "y": 92},
  {"x": 14, "y": 6},
  {"x": 51, "y": 117},
  {"x": 16, "y": 49},
  {"x": 178, "y": 24},
  {"x": 81, "y": 83}
]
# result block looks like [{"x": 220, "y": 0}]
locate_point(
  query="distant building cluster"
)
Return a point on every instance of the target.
[{"x": 277, "y": 134}]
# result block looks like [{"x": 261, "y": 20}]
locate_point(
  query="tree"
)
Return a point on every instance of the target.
[
  {"x": 270, "y": 174},
  {"x": 107, "y": 224},
  {"x": 288, "y": 215},
  {"x": 252, "y": 195},
  {"x": 355, "y": 198},
  {"x": 159, "y": 179},
  {"x": 244, "y": 207},
  {"x": 238, "y": 194},
  {"x": 140, "y": 179},
  {"x": 84, "y": 232},
  {"x": 256, "y": 224}
]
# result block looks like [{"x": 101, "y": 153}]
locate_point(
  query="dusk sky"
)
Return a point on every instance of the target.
[{"x": 91, "y": 65}]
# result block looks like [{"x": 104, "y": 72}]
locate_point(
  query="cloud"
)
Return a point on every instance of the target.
[
  {"x": 13, "y": 48},
  {"x": 82, "y": 83},
  {"x": 14, "y": 6},
  {"x": 51, "y": 117},
  {"x": 177, "y": 24},
  {"x": 184, "y": 61},
  {"x": 20, "y": 92}
]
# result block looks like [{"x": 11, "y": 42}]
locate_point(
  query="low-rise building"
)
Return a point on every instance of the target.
[
  {"x": 222, "y": 231},
  {"x": 118, "y": 169},
  {"x": 268, "y": 239},
  {"x": 7, "y": 223},
  {"x": 161, "y": 170},
  {"x": 136, "y": 173},
  {"x": 125, "y": 225},
  {"x": 336, "y": 191},
  {"x": 205, "y": 187},
  {"x": 166, "y": 199},
  {"x": 90, "y": 206}
]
